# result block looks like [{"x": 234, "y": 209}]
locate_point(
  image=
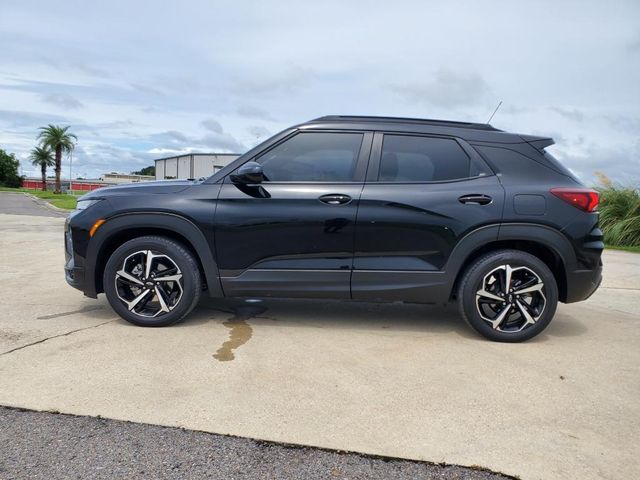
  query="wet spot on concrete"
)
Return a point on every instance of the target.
[
  {"x": 239, "y": 331},
  {"x": 89, "y": 308}
]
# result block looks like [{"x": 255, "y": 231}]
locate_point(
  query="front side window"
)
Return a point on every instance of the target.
[
  {"x": 313, "y": 157},
  {"x": 408, "y": 158}
]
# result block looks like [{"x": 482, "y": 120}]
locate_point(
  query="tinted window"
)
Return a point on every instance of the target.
[
  {"x": 422, "y": 159},
  {"x": 516, "y": 165},
  {"x": 313, "y": 157}
]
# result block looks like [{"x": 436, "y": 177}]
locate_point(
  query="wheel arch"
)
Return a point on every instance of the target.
[
  {"x": 546, "y": 243},
  {"x": 122, "y": 228}
]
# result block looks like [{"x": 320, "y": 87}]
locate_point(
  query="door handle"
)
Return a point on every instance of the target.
[
  {"x": 475, "y": 199},
  {"x": 335, "y": 199}
]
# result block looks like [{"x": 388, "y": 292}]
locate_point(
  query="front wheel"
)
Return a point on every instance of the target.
[
  {"x": 152, "y": 281},
  {"x": 508, "y": 296}
]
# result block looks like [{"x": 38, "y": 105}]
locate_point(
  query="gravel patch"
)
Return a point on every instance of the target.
[{"x": 43, "y": 445}]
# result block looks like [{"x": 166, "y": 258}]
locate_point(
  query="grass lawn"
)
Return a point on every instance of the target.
[
  {"x": 626, "y": 249},
  {"x": 68, "y": 202}
]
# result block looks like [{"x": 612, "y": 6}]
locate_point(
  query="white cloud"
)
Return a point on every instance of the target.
[
  {"x": 131, "y": 87},
  {"x": 62, "y": 100},
  {"x": 445, "y": 88}
]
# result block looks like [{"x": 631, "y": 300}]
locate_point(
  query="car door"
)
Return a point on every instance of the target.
[
  {"x": 293, "y": 234},
  {"x": 423, "y": 194}
]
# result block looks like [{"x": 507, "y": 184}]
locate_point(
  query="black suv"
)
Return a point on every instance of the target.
[{"x": 361, "y": 208}]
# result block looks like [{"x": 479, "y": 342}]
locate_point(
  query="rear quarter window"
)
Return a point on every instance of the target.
[
  {"x": 513, "y": 164},
  {"x": 558, "y": 166}
]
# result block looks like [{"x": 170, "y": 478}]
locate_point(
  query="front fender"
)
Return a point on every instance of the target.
[{"x": 158, "y": 221}]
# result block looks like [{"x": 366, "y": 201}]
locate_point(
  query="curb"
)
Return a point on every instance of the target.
[{"x": 46, "y": 204}]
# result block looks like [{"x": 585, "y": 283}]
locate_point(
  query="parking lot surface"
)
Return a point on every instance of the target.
[
  {"x": 408, "y": 381},
  {"x": 21, "y": 204},
  {"x": 53, "y": 446}
]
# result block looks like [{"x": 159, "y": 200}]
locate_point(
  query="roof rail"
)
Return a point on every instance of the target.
[{"x": 419, "y": 121}]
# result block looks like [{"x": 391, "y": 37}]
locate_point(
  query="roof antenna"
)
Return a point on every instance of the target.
[{"x": 494, "y": 112}]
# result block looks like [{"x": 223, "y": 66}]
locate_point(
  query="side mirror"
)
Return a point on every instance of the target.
[{"x": 250, "y": 172}]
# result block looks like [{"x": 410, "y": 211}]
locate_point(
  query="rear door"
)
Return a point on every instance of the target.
[
  {"x": 293, "y": 234},
  {"x": 422, "y": 195}
]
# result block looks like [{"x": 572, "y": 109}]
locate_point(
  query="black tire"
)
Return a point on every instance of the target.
[
  {"x": 473, "y": 280},
  {"x": 169, "y": 251}
]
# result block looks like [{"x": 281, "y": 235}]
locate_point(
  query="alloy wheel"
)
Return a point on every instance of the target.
[
  {"x": 149, "y": 283},
  {"x": 510, "y": 298}
]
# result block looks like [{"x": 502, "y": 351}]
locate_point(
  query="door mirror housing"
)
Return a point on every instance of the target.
[{"x": 250, "y": 172}]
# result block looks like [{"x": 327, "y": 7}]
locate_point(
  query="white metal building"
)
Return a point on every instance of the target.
[
  {"x": 193, "y": 165},
  {"x": 115, "y": 178}
]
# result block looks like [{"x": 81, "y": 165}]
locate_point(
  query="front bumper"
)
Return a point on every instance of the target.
[
  {"x": 74, "y": 271},
  {"x": 74, "y": 276}
]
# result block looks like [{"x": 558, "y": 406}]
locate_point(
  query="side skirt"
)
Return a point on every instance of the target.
[{"x": 289, "y": 284}]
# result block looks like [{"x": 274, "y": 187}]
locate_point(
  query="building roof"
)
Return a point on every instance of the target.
[{"x": 197, "y": 154}]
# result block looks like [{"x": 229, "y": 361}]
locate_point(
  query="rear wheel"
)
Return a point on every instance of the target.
[
  {"x": 152, "y": 281},
  {"x": 508, "y": 296}
]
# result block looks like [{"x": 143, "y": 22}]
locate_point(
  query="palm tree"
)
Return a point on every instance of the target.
[
  {"x": 42, "y": 157},
  {"x": 59, "y": 140}
]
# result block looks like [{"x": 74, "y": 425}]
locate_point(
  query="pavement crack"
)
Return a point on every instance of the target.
[{"x": 66, "y": 334}]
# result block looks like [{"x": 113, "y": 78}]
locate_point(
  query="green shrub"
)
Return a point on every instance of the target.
[{"x": 619, "y": 213}]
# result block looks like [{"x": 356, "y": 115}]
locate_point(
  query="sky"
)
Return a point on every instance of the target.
[{"x": 138, "y": 80}]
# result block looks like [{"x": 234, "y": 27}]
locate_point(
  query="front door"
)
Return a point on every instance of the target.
[
  {"x": 423, "y": 194},
  {"x": 293, "y": 234}
]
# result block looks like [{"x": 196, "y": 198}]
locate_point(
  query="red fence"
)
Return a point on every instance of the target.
[{"x": 77, "y": 186}]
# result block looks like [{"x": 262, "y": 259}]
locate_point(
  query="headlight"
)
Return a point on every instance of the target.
[{"x": 84, "y": 204}]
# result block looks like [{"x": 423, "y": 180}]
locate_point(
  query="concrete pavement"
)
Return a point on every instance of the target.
[{"x": 407, "y": 381}]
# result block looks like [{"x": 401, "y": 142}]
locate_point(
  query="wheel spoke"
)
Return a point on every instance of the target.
[
  {"x": 131, "y": 305},
  {"x": 144, "y": 301},
  {"x": 524, "y": 309},
  {"x": 163, "y": 303},
  {"x": 149, "y": 261},
  {"x": 483, "y": 293},
  {"x": 127, "y": 276},
  {"x": 507, "y": 278},
  {"x": 169, "y": 278},
  {"x": 500, "y": 318},
  {"x": 534, "y": 288}
]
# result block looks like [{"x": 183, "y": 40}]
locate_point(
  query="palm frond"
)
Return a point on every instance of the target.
[
  {"x": 40, "y": 156},
  {"x": 55, "y": 136}
]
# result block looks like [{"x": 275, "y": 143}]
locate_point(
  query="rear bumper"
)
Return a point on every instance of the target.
[{"x": 582, "y": 283}]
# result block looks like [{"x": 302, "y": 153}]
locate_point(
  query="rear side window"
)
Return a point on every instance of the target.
[
  {"x": 558, "y": 166},
  {"x": 313, "y": 157},
  {"x": 515, "y": 165},
  {"x": 408, "y": 158}
]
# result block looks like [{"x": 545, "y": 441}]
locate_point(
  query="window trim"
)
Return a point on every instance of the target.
[
  {"x": 376, "y": 157},
  {"x": 362, "y": 159}
]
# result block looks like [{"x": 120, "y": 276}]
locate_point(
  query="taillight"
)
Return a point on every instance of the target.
[{"x": 582, "y": 198}]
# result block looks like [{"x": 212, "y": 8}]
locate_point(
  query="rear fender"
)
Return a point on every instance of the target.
[{"x": 480, "y": 238}]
